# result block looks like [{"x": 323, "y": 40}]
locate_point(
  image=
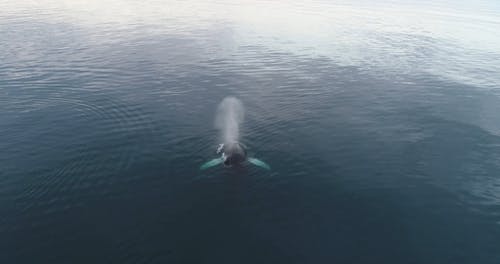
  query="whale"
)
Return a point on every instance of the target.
[
  {"x": 233, "y": 154},
  {"x": 229, "y": 116}
]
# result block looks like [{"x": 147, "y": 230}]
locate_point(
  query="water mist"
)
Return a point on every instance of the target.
[{"x": 229, "y": 116}]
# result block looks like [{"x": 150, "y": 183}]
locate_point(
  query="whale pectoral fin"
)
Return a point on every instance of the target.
[
  {"x": 259, "y": 163},
  {"x": 211, "y": 163}
]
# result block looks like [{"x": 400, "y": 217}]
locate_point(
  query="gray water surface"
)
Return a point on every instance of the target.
[{"x": 380, "y": 122}]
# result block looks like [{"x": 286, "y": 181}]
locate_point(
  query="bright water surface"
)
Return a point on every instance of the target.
[{"x": 381, "y": 123}]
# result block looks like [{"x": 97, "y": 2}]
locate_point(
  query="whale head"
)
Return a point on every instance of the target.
[{"x": 234, "y": 153}]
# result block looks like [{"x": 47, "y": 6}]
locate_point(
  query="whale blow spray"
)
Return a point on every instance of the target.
[{"x": 229, "y": 116}]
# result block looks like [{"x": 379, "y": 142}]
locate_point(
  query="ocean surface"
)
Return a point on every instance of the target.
[{"x": 381, "y": 122}]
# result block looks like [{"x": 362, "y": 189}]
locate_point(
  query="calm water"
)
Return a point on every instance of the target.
[{"x": 380, "y": 121}]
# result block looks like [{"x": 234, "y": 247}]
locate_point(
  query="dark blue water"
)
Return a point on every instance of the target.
[{"x": 380, "y": 122}]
